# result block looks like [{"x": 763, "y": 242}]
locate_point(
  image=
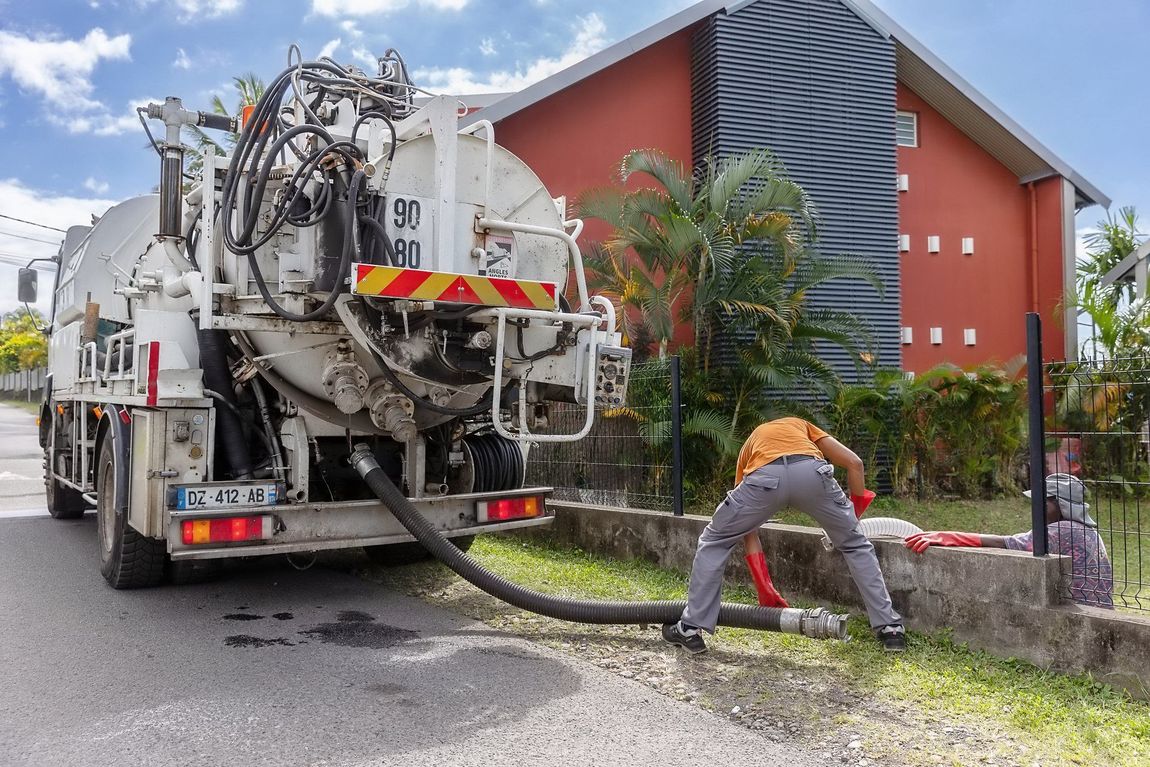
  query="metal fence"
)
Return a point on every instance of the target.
[
  {"x": 626, "y": 460},
  {"x": 25, "y": 385},
  {"x": 1097, "y": 430}
]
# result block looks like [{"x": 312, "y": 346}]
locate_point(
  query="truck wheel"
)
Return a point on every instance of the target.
[
  {"x": 128, "y": 560},
  {"x": 63, "y": 502},
  {"x": 409, "y": 553}
]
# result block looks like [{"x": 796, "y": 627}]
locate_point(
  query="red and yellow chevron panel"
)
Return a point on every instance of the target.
[{"x": 420, "y": 285}]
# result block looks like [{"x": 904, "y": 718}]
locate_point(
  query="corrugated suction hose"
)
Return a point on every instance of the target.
[{"x": 816, "y": 623}]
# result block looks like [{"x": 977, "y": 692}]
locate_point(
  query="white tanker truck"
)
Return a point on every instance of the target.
[{"x": 359, "y": 271}]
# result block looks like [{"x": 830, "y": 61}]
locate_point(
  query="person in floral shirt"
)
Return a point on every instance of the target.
[{"x": 1070, "y": 531}]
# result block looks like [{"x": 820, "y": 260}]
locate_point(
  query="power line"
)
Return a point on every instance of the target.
[
  {"x": 15, "y": 259},
  {"x": 4, "y": 233},
  {"x": 33, "y": 223}
]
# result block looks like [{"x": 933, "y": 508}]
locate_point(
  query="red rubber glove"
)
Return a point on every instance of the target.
[
  {"x": 920, "y": 542},
  {"x": 768, "y": 595},
  {"x": 861, "y": 502}
]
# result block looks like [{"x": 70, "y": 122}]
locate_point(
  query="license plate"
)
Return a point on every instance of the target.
[{"x": 225, "y": 496}]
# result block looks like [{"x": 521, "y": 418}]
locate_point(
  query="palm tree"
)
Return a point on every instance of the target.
[
  {"x": 673, "y": 242},
  {"x": 1115, "y": 238},
  {"x": 249, "y": 89}
]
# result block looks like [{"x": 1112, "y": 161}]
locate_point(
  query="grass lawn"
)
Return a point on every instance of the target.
[
  {"x": 30, "y": 407},
  {"x": 939, "y": 703}
]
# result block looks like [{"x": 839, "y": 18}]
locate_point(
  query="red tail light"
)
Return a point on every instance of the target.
[
  {"x": 226, "y": 529},
  {"x": 506, "y": 509}
]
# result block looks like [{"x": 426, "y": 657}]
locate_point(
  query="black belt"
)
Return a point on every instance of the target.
[{"x": 789, "y": 459}]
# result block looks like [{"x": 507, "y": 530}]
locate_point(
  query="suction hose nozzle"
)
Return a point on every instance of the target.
[{"x": 815, "y": 623}]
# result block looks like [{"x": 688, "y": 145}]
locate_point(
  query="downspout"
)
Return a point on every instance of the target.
[{"x": 1033, "y": 247}]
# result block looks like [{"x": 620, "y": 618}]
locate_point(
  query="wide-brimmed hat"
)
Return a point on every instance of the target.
[{"x": 1070, "y": 493}]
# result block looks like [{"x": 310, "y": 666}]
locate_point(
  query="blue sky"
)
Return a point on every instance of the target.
[{"x": 1074, "y": 74}]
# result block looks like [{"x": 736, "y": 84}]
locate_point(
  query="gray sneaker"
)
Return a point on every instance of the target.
[
  {"x": 690, "y": 640},
  {"x": 891, "y": 637}
]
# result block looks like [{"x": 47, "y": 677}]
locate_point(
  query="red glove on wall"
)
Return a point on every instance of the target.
[
  {"x": 861, "y": 502},
  {"x": 920, "y": 542},
  {"x": 768, "y": 595}
]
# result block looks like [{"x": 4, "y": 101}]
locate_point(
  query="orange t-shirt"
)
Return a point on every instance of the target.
[{"x": 774, "y": 439}]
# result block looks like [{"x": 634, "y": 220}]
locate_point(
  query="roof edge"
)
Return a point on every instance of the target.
[
  {"x": 1087, "y": 190},
  {"x": 597, "y": 62}
]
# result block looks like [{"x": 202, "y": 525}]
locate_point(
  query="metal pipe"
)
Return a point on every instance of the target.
[
  {"x": 1037, "y": 437},
  {"x": 676, "y": 437},
  {"x": 1033, "y": 247},
  {"x": 544, "y": 231}
]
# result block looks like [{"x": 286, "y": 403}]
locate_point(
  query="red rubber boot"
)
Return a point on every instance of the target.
[{"x": 768, "y": 595}]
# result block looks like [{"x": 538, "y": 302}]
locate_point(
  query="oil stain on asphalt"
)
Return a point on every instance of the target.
[
  {"x": 352, "y": 628},
  {"x": 246, "y": 640},
  {"x": 358, "y": 629}
]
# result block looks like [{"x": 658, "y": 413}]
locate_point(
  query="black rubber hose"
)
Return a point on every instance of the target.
[
  {"x": 815, "y": 623},
  {"x": 218, "y": 378}
]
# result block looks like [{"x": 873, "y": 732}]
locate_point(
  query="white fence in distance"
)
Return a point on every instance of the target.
[{"x": 25, "y": 385}]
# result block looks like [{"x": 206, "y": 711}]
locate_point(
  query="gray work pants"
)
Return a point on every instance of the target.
[{"x": 809, "y": 485}]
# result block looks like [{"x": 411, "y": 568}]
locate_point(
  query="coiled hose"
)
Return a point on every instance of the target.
[{"x": 816, "y": 623}]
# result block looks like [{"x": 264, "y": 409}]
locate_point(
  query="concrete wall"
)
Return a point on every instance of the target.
[{"x": 1000, "y": 601}]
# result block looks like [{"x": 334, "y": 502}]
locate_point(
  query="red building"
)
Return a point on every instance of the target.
[{"x": 968, "y": 218}]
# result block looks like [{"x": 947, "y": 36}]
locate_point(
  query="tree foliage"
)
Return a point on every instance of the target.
[
  {"x": 22, "y": 345},
  {"x": 728, "y": 252}
]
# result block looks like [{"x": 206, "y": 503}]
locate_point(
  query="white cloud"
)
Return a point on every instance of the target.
[
  {"x": 330, "y": 48},
  {"x": 199, "y": 10},
  {"x": 365, "y": 57},
  {"x": 57, "y": 69},
  {"x": 487, "y": 46},
  {"x": 590, "y": 37},
  {"x": 44, "y": 208},
  {"x": 96, "y": 187},
  {"x": 345, "y": 8},
  {"x": 104, "y": 122},
  {"x": 349, "y": 26},
  {"x": 182, "y": 61}
]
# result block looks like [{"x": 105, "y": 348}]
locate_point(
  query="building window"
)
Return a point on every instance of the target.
[{"x": 906, "y": 128}]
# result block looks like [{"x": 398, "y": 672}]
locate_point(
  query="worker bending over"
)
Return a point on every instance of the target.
[{"x": 786, "y": 462}]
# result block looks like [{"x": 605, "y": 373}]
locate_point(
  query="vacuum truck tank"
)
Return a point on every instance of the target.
[{"x": 361, "y": 269}]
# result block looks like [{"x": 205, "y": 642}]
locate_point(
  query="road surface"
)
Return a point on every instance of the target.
[{"x": 274, "y": 666}]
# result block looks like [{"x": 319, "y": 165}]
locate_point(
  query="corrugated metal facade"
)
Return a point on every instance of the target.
[{"x": 815, "y": 83}]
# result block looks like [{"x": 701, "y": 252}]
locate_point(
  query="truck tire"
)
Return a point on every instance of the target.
[
  {"x": 395, "y": 554},
  {"x": 63, "y": 502},
  {"x": 128, "y": 560}
]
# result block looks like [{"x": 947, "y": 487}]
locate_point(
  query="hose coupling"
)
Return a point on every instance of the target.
[
  {"x": 363, "y": 460},
  {"x": 818, "y": 623},
  {"x": 815, "y": 623}
]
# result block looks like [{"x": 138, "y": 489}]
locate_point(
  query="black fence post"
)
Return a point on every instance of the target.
[
  {"x": 676, "y": 437},
  {"x": 1034, "y": 379}
]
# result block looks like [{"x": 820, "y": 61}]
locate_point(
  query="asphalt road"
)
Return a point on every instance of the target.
[{"x": 274, "y": 666}]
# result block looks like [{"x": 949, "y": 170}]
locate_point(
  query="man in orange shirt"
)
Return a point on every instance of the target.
[{"x": 784, "y": 462}]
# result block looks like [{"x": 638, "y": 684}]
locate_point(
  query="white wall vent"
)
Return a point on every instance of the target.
[
  {"x": 968, "y": 246},
  {"x": 904, "y": 182},
  {"x": 908, "y": 375},
  {"x": 904, "y": 243},
  {"x": 968, "y": 336},
  {"x": 936, "y": 336},
  {"x": 908, "y": 335},
  {"x": 932, "y": 243}
]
